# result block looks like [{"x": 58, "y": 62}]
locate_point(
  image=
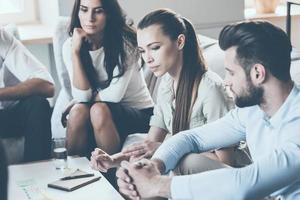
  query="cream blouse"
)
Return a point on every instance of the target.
[{"x": 211, "y": 104}]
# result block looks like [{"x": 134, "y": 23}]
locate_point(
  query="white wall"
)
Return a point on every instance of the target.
[
  {"x": 65, "y": 7},
  {"x": 208, "y": 16},
  {"x": 48, "y": 11},
  {"x": 47, "y": 14}
]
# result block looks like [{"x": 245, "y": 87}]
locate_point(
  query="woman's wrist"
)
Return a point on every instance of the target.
[
  {"x": 76, "y": 52},
  {"x": 118, "y": 158}
]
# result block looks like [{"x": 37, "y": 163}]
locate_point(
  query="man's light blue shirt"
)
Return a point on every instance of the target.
[{"x": 274, "y": 144}]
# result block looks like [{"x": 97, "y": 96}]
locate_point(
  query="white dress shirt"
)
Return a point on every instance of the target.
[{"x": 17, "y": 65}]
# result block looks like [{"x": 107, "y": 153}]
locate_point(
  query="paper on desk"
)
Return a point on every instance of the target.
[{"x": 32, "y": 190}]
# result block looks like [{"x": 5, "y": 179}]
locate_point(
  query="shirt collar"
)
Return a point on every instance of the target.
[{"x": 278, "y": 117}]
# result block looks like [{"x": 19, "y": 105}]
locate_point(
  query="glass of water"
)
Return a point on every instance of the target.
[{"x": 59, "y": 153}]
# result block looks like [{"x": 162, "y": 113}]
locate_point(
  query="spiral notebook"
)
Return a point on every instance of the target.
[{"x": 74, "y": 181}]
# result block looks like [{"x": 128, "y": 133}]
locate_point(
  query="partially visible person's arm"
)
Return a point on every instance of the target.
[
  {"x": 216, "y": 104},
  {"x": 80, "y": 80},
  {"x": 205, "y": 138},
  {"x": 101, "y": 161},
  {"x": 32, "y": 87},
  {"x": 255, "y": 181},
  {"x": 147, "y": 147},
  {"x": 269, "y": 173},
  {"x": 33, "y": 76},
  {"x": 156, "y": 134},
  {"x": 81, "y": 91}
]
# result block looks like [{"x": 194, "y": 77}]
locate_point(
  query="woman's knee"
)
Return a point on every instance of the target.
[
  {"x": 100, "y": 114},
  {"x": 79, "y": 114}
]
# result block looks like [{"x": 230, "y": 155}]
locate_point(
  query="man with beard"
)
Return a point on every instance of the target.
[{"x": 257, "y": 61}]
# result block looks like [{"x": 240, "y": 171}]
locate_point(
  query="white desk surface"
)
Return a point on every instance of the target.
[{"x": 29, "y": 181}]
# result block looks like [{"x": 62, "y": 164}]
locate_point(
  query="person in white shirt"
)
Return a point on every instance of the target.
[
  {"x": 111, "y": 95},
  {"x": 24, "y": 110},
  {"x": 257, "y": 63}
]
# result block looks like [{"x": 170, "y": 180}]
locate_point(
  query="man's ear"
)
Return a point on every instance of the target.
[
  {"x": 181, "y": 41},
  {"x": 258, "y": 74}
]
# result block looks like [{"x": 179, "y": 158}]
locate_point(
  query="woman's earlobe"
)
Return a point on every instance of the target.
[{"x": 181, "y": 41}]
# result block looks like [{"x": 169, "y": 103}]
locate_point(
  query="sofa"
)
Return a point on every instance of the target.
[{"x": 213, "y": 55}]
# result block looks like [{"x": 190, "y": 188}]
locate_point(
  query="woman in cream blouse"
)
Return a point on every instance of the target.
[{"x": 189, "y": 95}]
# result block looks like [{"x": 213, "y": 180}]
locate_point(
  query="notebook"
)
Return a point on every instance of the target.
[{"x": 74, "y": 181}]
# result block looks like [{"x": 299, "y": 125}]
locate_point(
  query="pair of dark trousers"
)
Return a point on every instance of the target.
[{"x": 30, "y": 118}]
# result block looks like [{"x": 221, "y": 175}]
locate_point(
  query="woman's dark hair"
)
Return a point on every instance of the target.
[
  {"x": 259, "y": 42},
  {"x": 118, "y": 38},
  {"x": 172, "y": 25},
  {"x": 3, "y": 174}
]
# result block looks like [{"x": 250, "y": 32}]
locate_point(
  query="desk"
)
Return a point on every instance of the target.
[
  {"x": 29, "y": 181},
  {"x": 288, "y": 15}
]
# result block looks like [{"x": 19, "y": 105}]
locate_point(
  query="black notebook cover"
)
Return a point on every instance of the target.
[{"x": 73, "y": 184}]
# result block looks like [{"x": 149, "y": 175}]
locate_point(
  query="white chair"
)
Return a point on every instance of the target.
[{"x": 64, "y": 95}]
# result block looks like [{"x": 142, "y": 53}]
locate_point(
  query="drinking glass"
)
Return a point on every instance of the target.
[{"x": 59, "y": 153}]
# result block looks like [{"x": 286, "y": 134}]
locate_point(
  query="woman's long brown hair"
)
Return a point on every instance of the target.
[
  {"x": 117, "y": 37},
  {"x": 193, "y": 66}
]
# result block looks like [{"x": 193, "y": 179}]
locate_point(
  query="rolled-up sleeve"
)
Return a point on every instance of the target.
[
  {"x": 215, "y": 103},
  {"x": 157, "y": 119},
  {"x": 20, "y": 61},
  {"x": 81, "y": 95},
  {"x": 270, "y": 173}
]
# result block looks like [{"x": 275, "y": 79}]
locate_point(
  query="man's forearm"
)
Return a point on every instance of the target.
[
  {"x": 27, "y": 88},
  {"x": 160, "y": 165},
  {"x": 163, "y": 182}
]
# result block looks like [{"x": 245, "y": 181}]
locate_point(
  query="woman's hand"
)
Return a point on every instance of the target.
[
  {"x": 66, "y": 113},
  {"x": 101, "y": 161},
  {"x": 79, "y": 35},
  {"x": 141, "y": 150}
]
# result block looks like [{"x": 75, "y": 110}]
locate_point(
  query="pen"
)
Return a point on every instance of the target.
[
  {"x": 76, "y": 176},
  {"x": 46, "y": 196}
]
